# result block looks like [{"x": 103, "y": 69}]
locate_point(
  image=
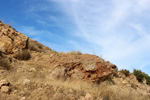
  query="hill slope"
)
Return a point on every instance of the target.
[{"x": 31, "y": 71}]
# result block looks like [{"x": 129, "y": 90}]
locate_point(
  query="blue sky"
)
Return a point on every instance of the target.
[{"x": 116, "y": 30}]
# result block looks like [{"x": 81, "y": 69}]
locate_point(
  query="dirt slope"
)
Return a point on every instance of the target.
[{"x": 36, "y": 72}]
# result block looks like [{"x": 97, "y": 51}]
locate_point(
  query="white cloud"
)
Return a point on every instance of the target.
[
  {"x": 32, "y": 31},
  {"x": 106, "y": 24},
  {"x": 117, "y": 29}
]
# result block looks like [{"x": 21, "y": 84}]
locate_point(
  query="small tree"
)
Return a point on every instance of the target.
[{"x": 141, "y": 75}]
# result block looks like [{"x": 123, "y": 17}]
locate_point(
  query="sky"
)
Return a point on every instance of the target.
[{"x": 116, "y": 30}]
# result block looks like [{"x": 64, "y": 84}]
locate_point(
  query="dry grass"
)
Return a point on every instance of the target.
[
  {"x": 7, "y": 97},
  {"x": 44, "y": 87},
  {"x": 121, "y": 93},
  {"x": 23, "y": 55},
  {"x": 35, "y": 46},
  {"x": 4, "y": 64}
]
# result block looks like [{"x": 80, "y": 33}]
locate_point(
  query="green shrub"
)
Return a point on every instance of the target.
[
  {"x": 125, "y": 72},
  {"x": 141, "y": 75},
  {"x": 4, "y": 64},
  {"x": 23, "y": 55}
]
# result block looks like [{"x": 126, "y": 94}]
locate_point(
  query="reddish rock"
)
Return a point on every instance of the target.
[{"x": 82, "y": 67}]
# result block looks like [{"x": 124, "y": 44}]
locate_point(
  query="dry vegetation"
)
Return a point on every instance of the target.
[
  {"x": 125, "y": 72},
  {"x": 23, "y": 55},
  {"x": 4, "y": 64},
  {"x": 35, "y": 46},
  {"x": 43, "y": 87}
]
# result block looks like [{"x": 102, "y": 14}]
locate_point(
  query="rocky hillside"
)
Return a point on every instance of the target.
[{"x": 31, "y": 71}]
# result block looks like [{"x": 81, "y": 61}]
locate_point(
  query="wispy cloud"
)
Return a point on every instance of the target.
[{"x": 117, "y": 29}]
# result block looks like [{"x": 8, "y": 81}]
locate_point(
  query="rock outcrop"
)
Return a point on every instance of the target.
[
  {"x": 11, "y": 40},
  {"x": 4, "y": 86},
  {"x": 83, "y": 67}
]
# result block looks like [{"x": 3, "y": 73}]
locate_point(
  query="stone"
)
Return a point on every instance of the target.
[
  {"x": 5, "y": 89},
  {"x": 4, "y": 83},
  {"x": 32, "y": 70},
  {"x": 26, "y": 81},
  {"x": 58, "y": 73},
  {"x": 124, "y": 82},
  {"x": 144, "y": 81},
  {"x": 77, "y": 74},
  {"x": 58, "y": 96},
  {"x": 87, "y": 97},
  {"x": 82, "y": 98},
  {"x": 22, "y": 98},
  {"x": 15, "y": 91},
  {"x": 90, "y": 67}
]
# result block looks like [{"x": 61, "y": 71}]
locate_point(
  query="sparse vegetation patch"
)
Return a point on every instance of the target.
[
  {"x": 141, "y": 75},
  {"x": 4, "y": 64},
  {"x": 23, "y": 55},
  {"x": 35, "y": 46},
  {"x": 125, "y": 72}
]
